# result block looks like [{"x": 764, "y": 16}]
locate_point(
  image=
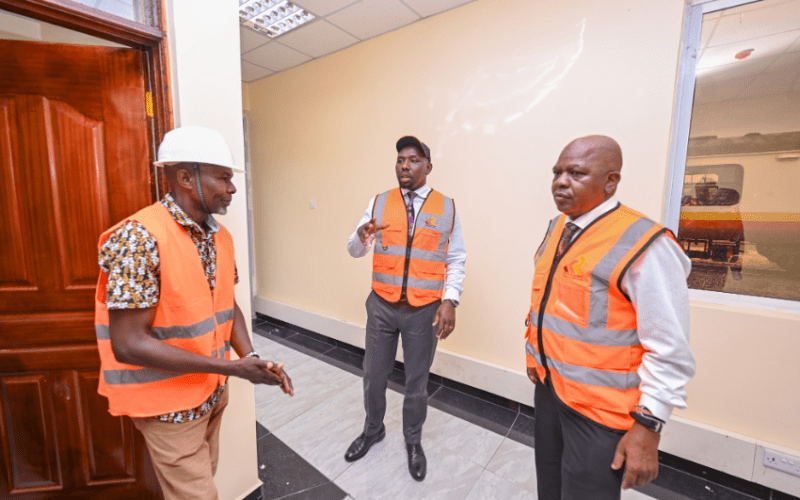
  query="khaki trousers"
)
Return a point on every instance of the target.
[{"x": 185, "y": 455}]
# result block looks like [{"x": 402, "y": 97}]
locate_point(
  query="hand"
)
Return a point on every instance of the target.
[
  {"x": 638, "y": 449},
  {"x": 369, "y": 229},
  {"x": 286, "y": 382},
  {"x": 259, "y": 371},
  {"x": 533, "y": 374},
  {"x": 445, "y": 318}
]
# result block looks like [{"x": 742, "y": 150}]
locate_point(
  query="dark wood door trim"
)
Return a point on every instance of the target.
[
  {"x": 152, "y": 41},
  {"x": 87, "y": 20}
]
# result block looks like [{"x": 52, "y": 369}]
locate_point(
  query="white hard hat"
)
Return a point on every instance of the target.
[{"x": 194, "y": 144}]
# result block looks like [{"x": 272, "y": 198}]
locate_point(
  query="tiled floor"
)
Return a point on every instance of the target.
[{"x": 477, "y": 447}]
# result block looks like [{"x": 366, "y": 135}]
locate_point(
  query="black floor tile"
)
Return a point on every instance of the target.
[
  {"x": 327, "y": 491},
  {"x": 349, "y": 347},
  {"x": 254, "y": 495},
  {"x": 697, "y": 488},
  {"x": 779, "y": 495},
  {"x": 473, "y": 410},
  {"x": 307, "y": 345},
  {"x": 261, "y": 431},
  {"x": 527, "y": 410},
  {"x": 714, "y": 477},
  {"x": 522, "y": 430},
  {"x": 660, "y": 493},
  {"x": 345, "y": 360},
  {"x": 481, "y": 394},
  {"x": 272, "y": 332},
  {"x": 284, "y": 472}
]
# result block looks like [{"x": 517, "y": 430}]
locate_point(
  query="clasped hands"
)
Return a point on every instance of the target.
[{"x": 260, "y": 371}]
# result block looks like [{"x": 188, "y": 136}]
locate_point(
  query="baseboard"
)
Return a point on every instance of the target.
[{"x": 712, "y": 447}]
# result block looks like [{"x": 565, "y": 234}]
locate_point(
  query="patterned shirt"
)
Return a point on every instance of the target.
[{"x": 130, "y": 258}]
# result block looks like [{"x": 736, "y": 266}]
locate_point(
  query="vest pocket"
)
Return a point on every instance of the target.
[{"x": 572, "y": 304}]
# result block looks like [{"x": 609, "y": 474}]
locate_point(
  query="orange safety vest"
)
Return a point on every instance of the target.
[
  {"x": 188, "y": 315},
  {"x": 582, "y": 336},
  {"x": 411, "y": 267}
]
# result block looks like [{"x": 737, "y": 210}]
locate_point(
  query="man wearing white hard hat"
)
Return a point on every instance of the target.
[{"x": 166, "y": 318}]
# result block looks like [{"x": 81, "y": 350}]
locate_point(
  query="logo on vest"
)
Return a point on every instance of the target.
[
  {"x": 573, "y": 269},
  {"x": 431, "y": 222}
]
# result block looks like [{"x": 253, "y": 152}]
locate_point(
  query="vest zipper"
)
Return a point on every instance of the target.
[{"x": 403, "y": 292}]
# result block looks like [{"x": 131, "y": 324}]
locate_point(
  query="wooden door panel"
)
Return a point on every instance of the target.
[
  {"x": 77, "y": 174},
  {"x": 42, "y": 329},
  {"x": 28, "y": 433},
  {"x": 16, "y": 269},
  {"x": 107, "y": 443},
  {"x": 74, "y": 159}
]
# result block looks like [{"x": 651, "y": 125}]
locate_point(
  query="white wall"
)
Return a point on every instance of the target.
[
  {"x": 497, "y": 96},
  {"x": 206, "y": 84}
]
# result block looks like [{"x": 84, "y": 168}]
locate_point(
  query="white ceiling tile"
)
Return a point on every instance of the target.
[
  {"x": 275, "y": 56},
  {"x": 317, "y": 38},
  {"x": 719, "y": 91},
  {"x": 250, "y": 39},
  {"x": 427, "y": 8},
  {"x": 748, "y": 67},
  {"x": 324, "y": 7},
  {"x": 763, "y": 47},
  {"x": 252, "y": 72},
  {"x": 769, "y": 83},
  {"x": 775, "y": 17},
  {"x": 709, "y": 25},
  {"x": 370, "y": 18}
]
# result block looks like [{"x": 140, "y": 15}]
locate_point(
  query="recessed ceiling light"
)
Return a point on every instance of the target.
[{"x": 272, "y": 17}]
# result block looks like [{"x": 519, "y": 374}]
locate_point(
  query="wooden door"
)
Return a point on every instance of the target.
[{"x": 74, "y": 159}]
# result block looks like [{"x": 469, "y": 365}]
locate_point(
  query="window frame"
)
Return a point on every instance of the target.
[{"x": 679, "y": 143}]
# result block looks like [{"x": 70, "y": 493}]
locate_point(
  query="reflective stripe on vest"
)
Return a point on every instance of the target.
[
  {"x": 587, "y": 328},
  {"x": 188, "y": 316},
  {"x": 427, "y": 252}
]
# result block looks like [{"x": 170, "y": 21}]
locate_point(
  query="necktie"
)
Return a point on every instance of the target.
[
  {"x": 569, "y": 231},
  {"x": 410, "y": 210}
]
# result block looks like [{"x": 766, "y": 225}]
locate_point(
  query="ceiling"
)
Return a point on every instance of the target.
[
  {"x": 339, "y": 24},
  {"x": 772, "y": 29}
]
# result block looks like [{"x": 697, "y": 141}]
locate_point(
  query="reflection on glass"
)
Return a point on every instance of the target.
[
  {"x": 740, "y": 204},
  {"x": 140, "y": 11}
]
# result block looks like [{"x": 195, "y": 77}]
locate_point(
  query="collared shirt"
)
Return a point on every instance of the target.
[
  {"x": 456, "y": 253},
  {"x": 656, "y": 285},
  {"x": 130, "y": 258}
]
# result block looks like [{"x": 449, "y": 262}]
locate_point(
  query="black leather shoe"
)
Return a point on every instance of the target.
[
  {"x": 417, "y": 464},
  {"x": 362, "y": 444}
]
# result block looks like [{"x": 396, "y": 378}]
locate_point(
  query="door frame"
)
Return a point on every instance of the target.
[{"x": 151, "y": 41}]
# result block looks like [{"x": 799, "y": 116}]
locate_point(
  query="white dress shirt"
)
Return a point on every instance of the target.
[
  {"x": 456, "y": 253},
  {"x": 656, "y": 285}
]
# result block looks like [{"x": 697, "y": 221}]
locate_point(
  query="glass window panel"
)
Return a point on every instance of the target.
[
  {"x": 740, "y": 203},
  {"x": 140, "y": 11}
]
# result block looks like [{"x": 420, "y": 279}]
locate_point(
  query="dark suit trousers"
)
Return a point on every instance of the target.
[
  {"x": 573, "y": 453},
  {"x": 385, "y": 323}
]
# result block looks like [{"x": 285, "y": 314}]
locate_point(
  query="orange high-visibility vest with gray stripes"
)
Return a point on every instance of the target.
[
  {"x": 582, "y": 337},
  {"x": 188, "y": 315},
  {"x": 414, "y": 267}
]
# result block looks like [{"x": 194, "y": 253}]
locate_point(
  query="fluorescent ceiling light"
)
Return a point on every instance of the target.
[{"x": 272, "y": 17}]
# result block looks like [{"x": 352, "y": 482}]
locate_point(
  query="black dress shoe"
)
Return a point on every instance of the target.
[
  {"x": 362, "y": 444},
  {"x": 417, "y": 464}
]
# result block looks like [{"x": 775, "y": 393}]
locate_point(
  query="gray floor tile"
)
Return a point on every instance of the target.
[
  {"x": 274, "y": 408},
  {"x": 514, "y": 462},
  {"x": 322, "y": 434},
  {"x": 493, "y": 486},
  {"x": 459, "y": 436}
]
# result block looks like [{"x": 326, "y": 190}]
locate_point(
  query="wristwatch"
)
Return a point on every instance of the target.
[
  {"x": 252, "y": 354},
  {"x": 645, "y": 417},
  {"x": 455, "y": 303}
]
